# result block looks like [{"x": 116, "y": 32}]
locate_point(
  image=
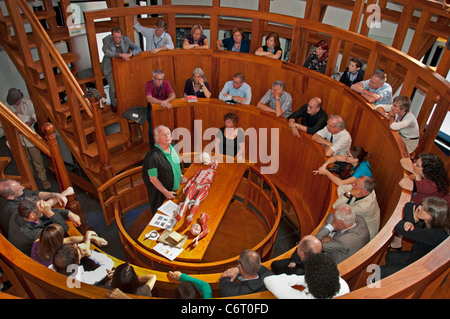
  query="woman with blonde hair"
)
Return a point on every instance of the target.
[{"x": 196, "y": 40}]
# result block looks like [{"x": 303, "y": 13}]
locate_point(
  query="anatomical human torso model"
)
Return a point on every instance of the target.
[{"x": 196, "y": 190}]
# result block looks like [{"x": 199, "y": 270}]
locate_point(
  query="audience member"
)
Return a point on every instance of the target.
[
  {"x": 427, "y": 225},
  {"x": 429, "y": 178},
  {"x": 116, "y": 45},
  {"x": 376, "y": 90},
  {"x": 196, "y": 40},
  {"x": 236, "y": 43},
  {"x": 33, "y": 215},
  {"x": 313, "y": 118},
  {"x": 11, "y": 193},
  {"x": 348, "y": 167},
  {"x": 321, "y": 281},
  {"x": 361, "y": 197},
  {"x": 126, "y": 281},
  {"x": 201, "y": 285},
  {"x": 294, "y": 266},
  {"x": 161, "y": 170},
  {"x": 343, "y": 233},
  {"x": 246, "y": 278},
  {"x": 272, "y": 48},
  {"x": 157, "y": 91},
  {"x": 67, "y": 261},
  {"x": 401, "y": 119},
  {"x": 156, "y": 39},
  {"x": 187, "y": 290},
  {"x": 334, "y": 137},
  {"x": 230, "y": 140},
  {"x": 318, "y": 59},
  {"x": 24, "y": 109},
  {"x": 353, "y": 73},
  {"x": 52, "y": 237},
  {"x": 280, "y": 101},
  {"x": 236, "y": 90},
  {"x": 197, "y": 85}
]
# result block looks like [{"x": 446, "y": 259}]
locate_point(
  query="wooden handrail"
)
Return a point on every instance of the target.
[
  {"x": 115, "y": 200},
  {"x": 39, "y": 31},
  {"x": 24, "y": 129},
  {"x": 417, "y": 76}
]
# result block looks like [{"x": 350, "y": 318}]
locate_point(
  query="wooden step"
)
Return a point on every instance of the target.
[
  {"x": 40, "y": 15},
  {"x": 112, "y": 141},
  {"x": 108, "y": 118},
  {"x": 59, "y": 34}
]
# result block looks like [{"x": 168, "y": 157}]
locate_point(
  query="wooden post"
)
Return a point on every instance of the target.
[
  {"x": 60, "y": 169},
  {"x": 106, "y": 172}
]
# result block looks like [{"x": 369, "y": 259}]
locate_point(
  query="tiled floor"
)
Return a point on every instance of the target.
[{"x": 287, "y": 237}]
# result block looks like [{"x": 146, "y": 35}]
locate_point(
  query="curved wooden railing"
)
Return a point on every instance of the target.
[
  {"x": 256, "y": 190},
  {"x": 413, "y": 74}
]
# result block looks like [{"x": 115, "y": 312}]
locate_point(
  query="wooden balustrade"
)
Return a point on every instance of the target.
[{"x": 434, "y": 86}]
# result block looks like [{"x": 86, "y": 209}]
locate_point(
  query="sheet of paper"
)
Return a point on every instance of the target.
[
  {"x": 163, "y": 221},
  {"x": 168, "y": 251},
  {"x": 168, "y": 208}
]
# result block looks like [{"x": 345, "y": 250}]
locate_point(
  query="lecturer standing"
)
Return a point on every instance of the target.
[{"x": 161, "y": 170}]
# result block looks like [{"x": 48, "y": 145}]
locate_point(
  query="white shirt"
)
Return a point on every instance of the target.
[
  {"x": 94, "y": 276},
  {"x": 281, "y": 287},
  {"x": 341, "y": 141}
]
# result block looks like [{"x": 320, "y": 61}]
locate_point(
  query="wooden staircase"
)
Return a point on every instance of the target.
[{"x": 29, "y": 38}]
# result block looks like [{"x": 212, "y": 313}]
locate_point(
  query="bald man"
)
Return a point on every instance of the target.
[
  {"x": 294, "y": 265},
  {"x": 313, "y": 118}
]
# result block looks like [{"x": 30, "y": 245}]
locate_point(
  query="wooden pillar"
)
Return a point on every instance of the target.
[
  {"x": 106, "y": 172},
  {"x": 60, "y": 169}
]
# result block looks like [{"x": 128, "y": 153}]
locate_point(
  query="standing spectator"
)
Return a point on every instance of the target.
[
  {"x": 321, "y": 281},
  {"x": 236, "y": 43},
  {"x": 201, "y": 285},
  {"x": 427, "y": 225},
  {"x": 280, "y": 101},
  {"x": 236, "y": 90},
  {"x": 272, "y": 48},
  {"x": 197, "y": 85},
  {"x": 294, "y": 266},
  {"x": 313, "y": 118},
  {"x": 116, "y": 45},
  {"x": 157, "y": 91},
  {"x": 24, "y": 109},
  {"x": 318, "y": 59},
  {"x": 343, "y": 233},
  {"x": 361, "y": 197},
  {"x": 156, "y": 39},
  {"x": 246, "y": 278},
  {"x": 402, "y": 120},
  {"x": 376, "y": 90},
  {"x": 335, "y": 139},
  {"x": 353, "y": 73},
  {"x": 196, "y": 40}
]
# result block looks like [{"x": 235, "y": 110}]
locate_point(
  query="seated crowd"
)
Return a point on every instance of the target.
[{"x": 33, "y": 224}]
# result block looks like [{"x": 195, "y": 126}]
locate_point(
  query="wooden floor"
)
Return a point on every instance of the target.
[{"x": 240, "y": 229}]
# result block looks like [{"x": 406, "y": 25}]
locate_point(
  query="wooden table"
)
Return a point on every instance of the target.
[{"x": 228, "y": 177}]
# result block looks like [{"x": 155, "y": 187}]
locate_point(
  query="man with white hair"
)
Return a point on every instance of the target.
[
  {"x": 161, "y": 170},
  {"x": 343, "y": 233}
]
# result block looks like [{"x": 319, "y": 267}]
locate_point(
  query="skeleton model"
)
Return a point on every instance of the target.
[{"x": 197, "y": 189}]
